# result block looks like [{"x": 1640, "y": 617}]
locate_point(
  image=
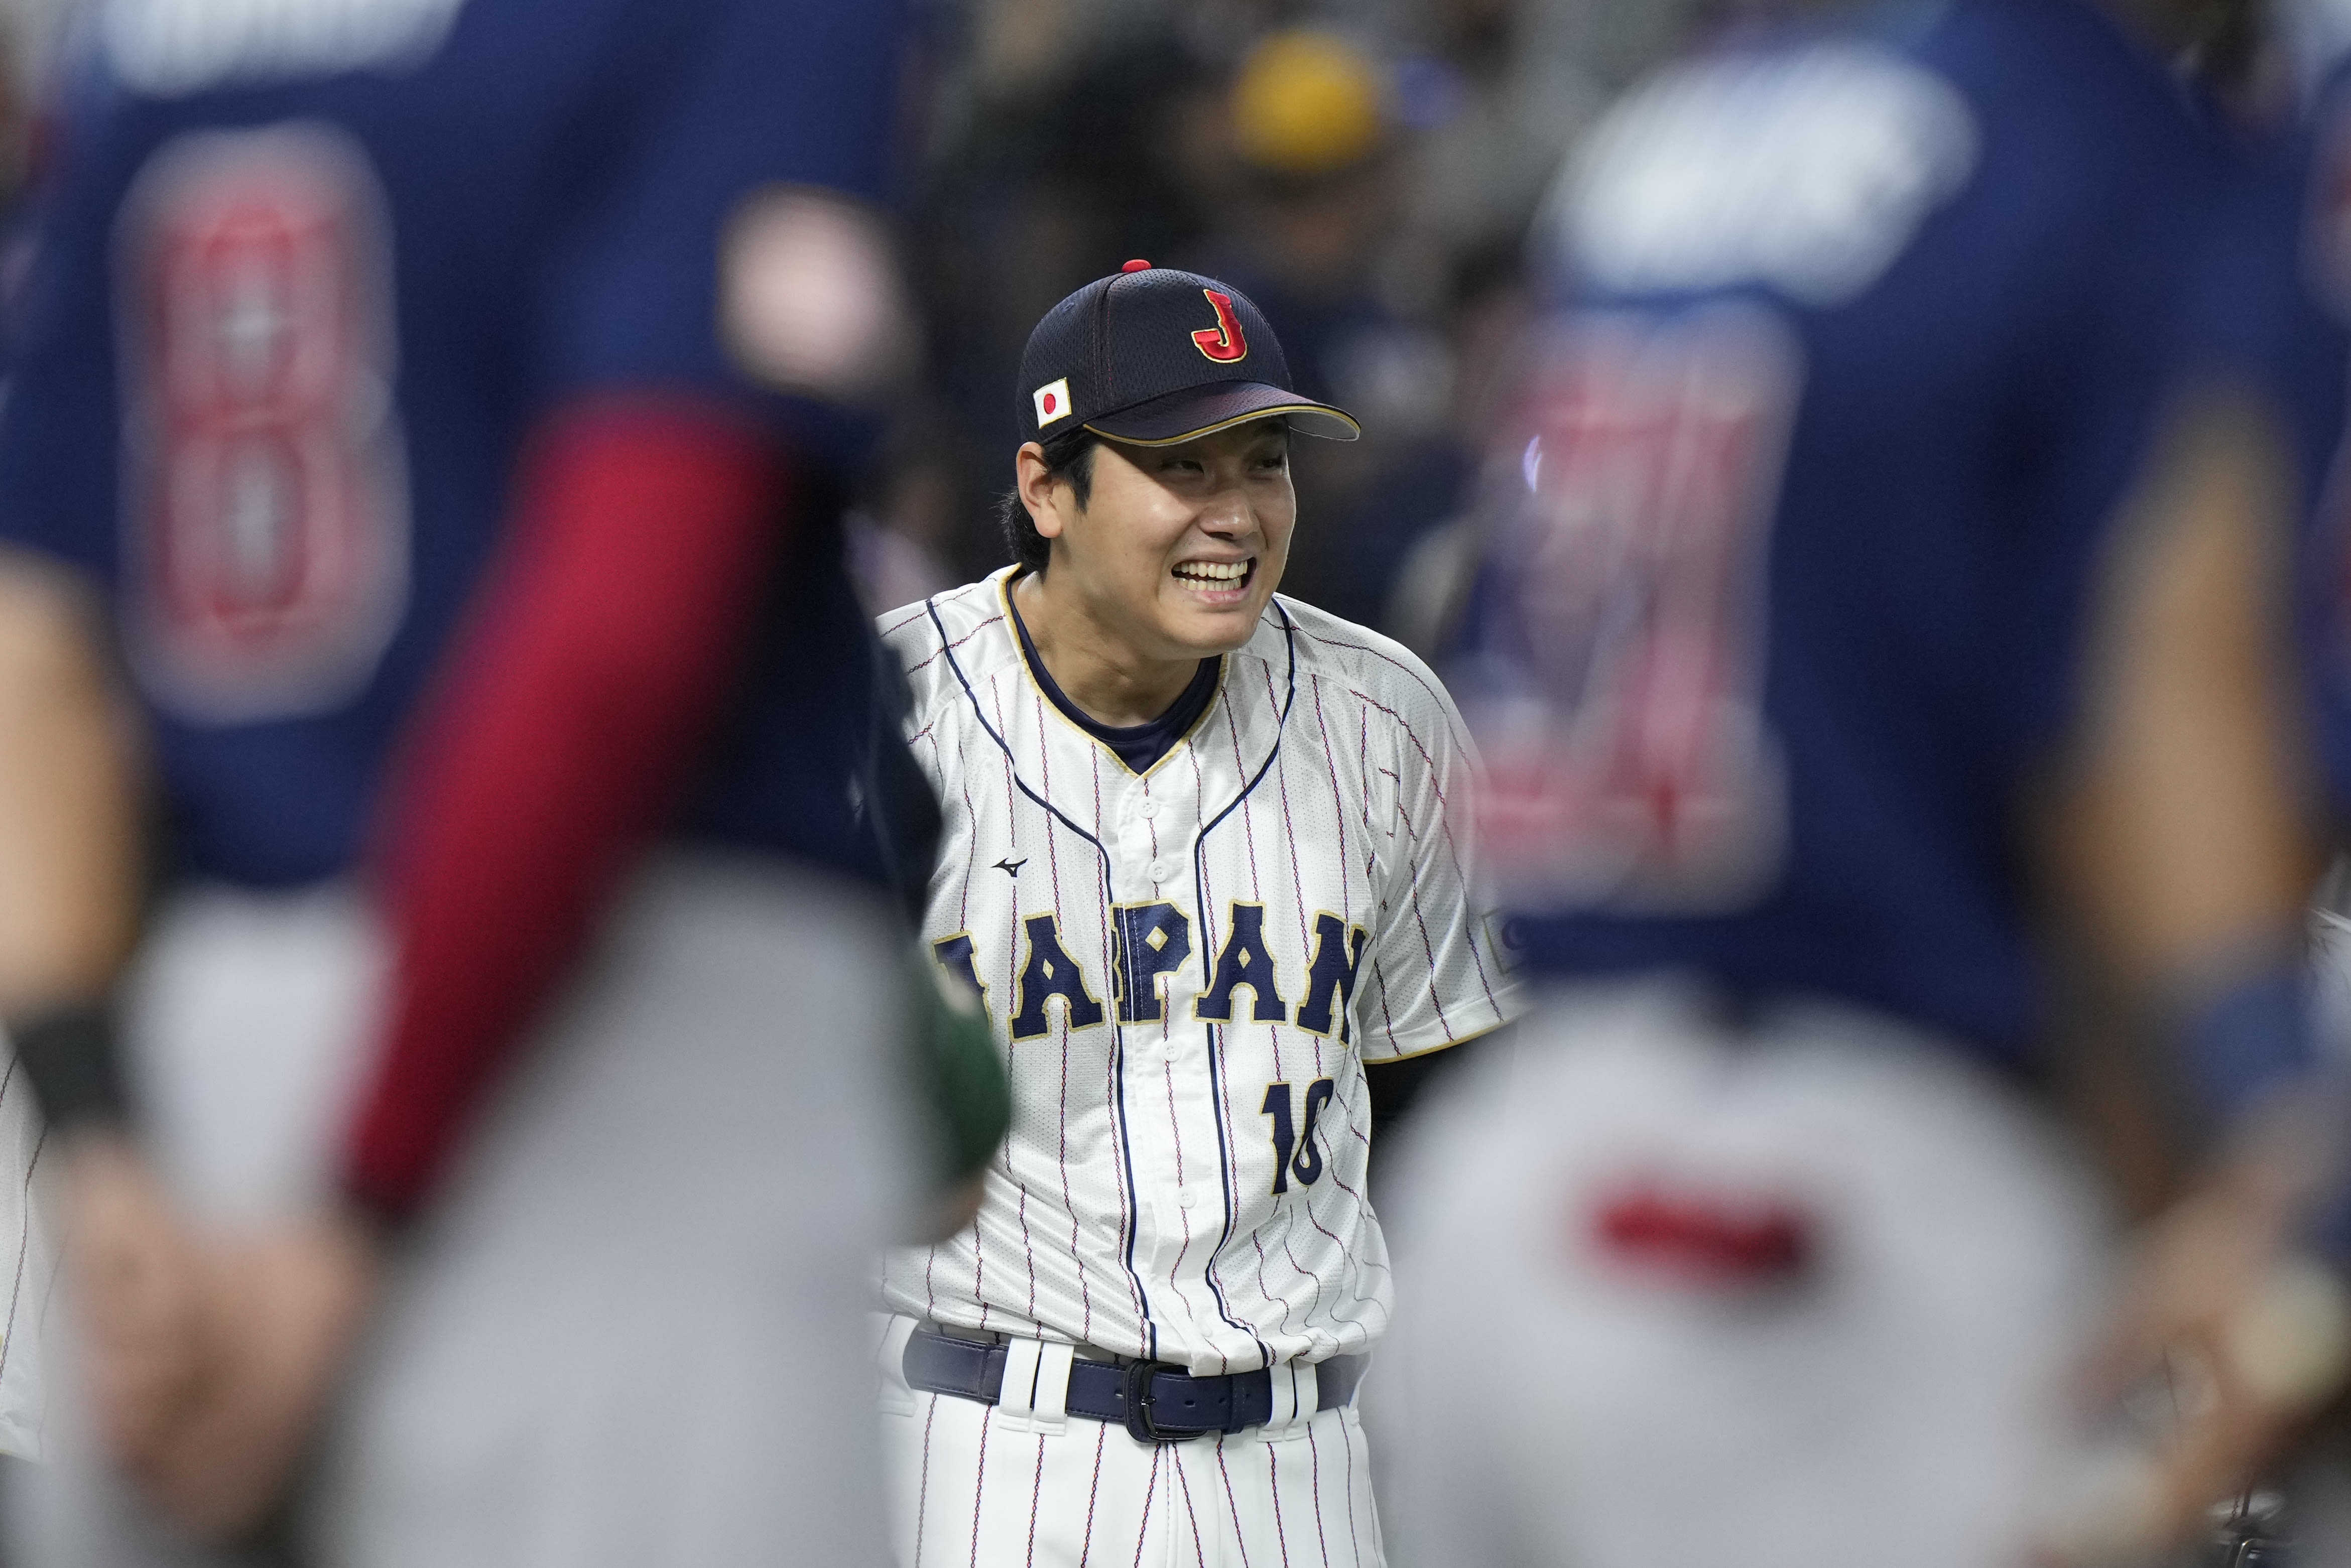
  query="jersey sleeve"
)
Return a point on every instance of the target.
[
  {"x": 593, "y": 675},
  {"x": 2285, "y": 262},
  {"x": 2122, "y": 340},
  {"x": 769, "y": 93},
  {"x": 2244, "y": 296},
  {"x": 59, "y": 472},
  {"x": 1434, "y": 971},
  {"x": 906, "y": 637}
]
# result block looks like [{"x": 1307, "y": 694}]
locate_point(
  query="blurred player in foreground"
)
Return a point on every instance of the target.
[
  {"x": 399, "y": 552},
  {"x": 1208, "y": 867},
  {"x": 1879, "y": 663},
  {"x": 2278, "y": 298}
]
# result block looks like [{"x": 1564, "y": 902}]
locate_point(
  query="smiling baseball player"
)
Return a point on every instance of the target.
[{"x": 1205, "y": 861}]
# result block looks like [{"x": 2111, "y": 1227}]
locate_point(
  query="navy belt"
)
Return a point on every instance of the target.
[{"x": 1156, "y": 1401}]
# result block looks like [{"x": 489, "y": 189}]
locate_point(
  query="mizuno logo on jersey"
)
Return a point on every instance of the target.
[{"x": 1152, "y": 953}]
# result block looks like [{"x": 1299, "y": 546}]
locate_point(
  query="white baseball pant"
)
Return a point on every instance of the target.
[
  {"x": 242, "y": 1028},
  {"x": 634, "y": 1336},
  {"x": 1803, "y": 1296},
  {"x": 633, "y": 1333}
]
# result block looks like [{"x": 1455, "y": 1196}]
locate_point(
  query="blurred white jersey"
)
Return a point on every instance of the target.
[
  {"x": 1186, "y": 969},
  {"x": 29, "y": 1257},
  {"x": 1802, "y": 1293}
]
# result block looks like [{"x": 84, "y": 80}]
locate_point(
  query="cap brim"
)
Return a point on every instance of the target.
[{"x": 1196, "y": 412}]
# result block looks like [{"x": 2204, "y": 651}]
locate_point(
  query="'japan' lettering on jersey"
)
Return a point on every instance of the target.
[
  {"x": 1788, "y": 546},
  {"x": 1186, "y": 969},
  {"x": 307, "y": 274}
]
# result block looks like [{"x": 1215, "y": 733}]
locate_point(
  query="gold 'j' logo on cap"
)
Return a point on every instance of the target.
[{"x": 1052, "y": 401}]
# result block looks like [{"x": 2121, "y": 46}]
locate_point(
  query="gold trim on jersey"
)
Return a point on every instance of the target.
[
  {"x": 1162, "y": 998},
  {"x": 1019, "y": 651},
  {"x": 1081, "y": 1009},
  {"x": 1433, "y": 1050},
  {"x": 1237, "y": 419},
  {"x": 972, "y": 956},
  {"x": 1231, "y": 971},
  {"x": 1342, "y": 990}
]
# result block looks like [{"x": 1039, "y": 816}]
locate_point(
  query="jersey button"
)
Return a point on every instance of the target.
[
  {"x": 1161, "y": 870},
  {"x": 1148, "y": 810}
]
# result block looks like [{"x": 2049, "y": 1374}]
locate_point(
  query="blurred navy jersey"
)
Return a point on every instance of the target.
[
  {"x": 306, "y": 278},
  {"x": 2278, "y": 299},
  {"x": 1787, "y": 563}
]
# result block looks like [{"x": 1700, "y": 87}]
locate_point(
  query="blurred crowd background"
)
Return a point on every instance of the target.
[
  {"x": 1370, "y": 173},
  {"x": 1367, "y": 170}
]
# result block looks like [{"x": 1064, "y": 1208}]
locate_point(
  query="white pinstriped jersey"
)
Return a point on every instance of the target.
[
  {"x": 28, "y": 1259},
  {"x": 1186, "y": 969}
]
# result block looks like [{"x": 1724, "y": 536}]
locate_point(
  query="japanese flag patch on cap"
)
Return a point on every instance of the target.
[{"x": 1052, "y": 401}]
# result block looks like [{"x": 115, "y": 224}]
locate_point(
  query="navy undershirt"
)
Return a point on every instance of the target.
[{"x": 1139, "y": 745}]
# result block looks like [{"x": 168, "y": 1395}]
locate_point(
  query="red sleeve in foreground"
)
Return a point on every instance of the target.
[{"x": 567, "y": 717}]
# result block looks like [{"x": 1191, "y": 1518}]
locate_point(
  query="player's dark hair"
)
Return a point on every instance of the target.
[{"x": 1068, "y": 455}]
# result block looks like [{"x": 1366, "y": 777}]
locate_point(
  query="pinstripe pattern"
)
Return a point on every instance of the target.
[
  {"x": 32, "y": 1274},
  {"x": 1330, "y": 781},
  {"x": 1233, "y": 1509}
]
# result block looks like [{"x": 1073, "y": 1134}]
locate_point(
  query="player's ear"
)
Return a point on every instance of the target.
[{"x": 1034, "y": 481}]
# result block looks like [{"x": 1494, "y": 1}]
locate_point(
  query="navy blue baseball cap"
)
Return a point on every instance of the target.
[{"x": 1153, "y": 356}]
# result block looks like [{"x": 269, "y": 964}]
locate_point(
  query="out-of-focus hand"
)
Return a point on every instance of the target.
[
  {"x": 953, "y": 1212},
  {"x": 2246, "y": 1336},
  {"x": 281, "y": 1312},
  {"x": 138, "y": 1287}
]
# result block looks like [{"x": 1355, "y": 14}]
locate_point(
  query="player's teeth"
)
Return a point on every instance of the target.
[{"x": 1214, "y": 571}]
